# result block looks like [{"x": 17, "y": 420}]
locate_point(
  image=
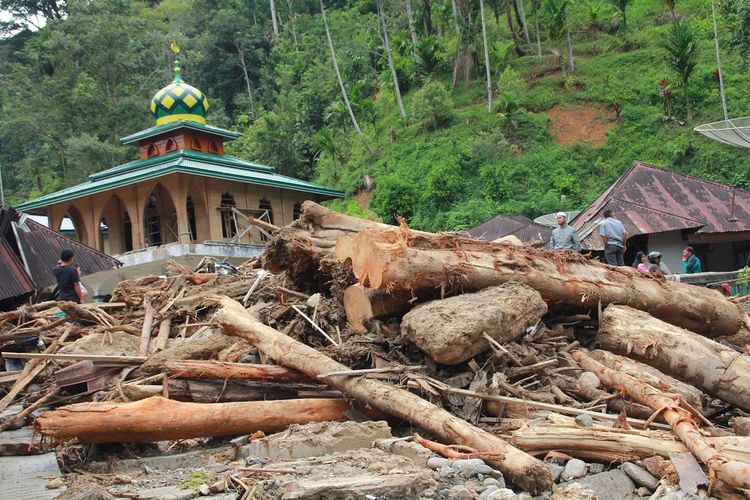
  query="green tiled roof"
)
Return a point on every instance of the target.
[
  {"x": 160, "y": 129},
  {"x": 186, "y": 162}
]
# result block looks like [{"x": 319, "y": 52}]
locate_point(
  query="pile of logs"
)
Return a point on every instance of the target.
[{"x": 466, "y": 340}]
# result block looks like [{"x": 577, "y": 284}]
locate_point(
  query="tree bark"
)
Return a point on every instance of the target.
[
  {"x": 521, "y": 18},
  {"x": 568, "y": 43},
  {"x": 412, "y": 29},
  {"x": 713, "y": 368},
  {"x": 527, "y": 472},
  {"x": 161, "y": 419},
  {"x": 427, "y": 17},
  {"x": 605, "y": 444},
  {"x": 362, "y": 305},
  {"x": 292, "y": 16},
  {"x": 148, "y": 323},
  {"x": 336, "y": 69},
  {"x": 233, "y": 371},
  {"x": 455, "y": 17},
  {"x": 203, "y": 348},
  {"x": 732, "y": 472},
  {"x": 273, "y": 18},
  {"x": 245, "y": 74},
  {"x": 535, "y": 4},
  {"x": 217, "y": 391},
  {"x": 516, "y": 38},
  {"x": 486, "y": 56},
  {"x": 398, "y": 260},
  {"x": 649, "y": 375},
  {"x": 387, "y": 45}
]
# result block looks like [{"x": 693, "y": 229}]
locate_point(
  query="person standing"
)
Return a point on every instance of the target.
[
  {"x": 613, "y": 237},
  {"x": 68, "y": 278},
  {"x": 691, "y": 264},
  {"x": 564, "y": 236}
]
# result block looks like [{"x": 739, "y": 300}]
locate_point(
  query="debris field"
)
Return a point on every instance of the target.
[{"x": 355, "y": 359}]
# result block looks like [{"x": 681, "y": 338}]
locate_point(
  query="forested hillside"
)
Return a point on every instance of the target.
[{"x": 579, "y": 89}]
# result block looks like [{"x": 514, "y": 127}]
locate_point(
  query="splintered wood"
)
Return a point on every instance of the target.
[{"x": 490, "y": 350}]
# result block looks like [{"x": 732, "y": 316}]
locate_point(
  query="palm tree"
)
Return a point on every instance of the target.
[{"x": 681, "y": 48}]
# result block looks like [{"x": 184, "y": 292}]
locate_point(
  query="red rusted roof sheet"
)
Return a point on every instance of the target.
[
  {"x": 42, "y": 247},
  {"x": 15, "y": 280},
  {"x": 648, "y": 200},
  {"x": 522, "y": 227}
]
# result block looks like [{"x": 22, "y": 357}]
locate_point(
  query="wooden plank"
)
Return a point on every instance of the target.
[
  {"x": 124, "y": 360},
  {"x": 8, "y": 377}
]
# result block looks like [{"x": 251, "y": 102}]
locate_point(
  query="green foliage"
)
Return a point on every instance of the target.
[
  {"x": 501, "y": 54},
  {"x": 737, "y": 13},
  {"x": 556, "y": 18},
  {"x": 195, "y": 480},
  {"x": 432, "y": 105},
  {"x": 622, "y": 6},
  {"x": 681, "y": 49},
  {"x": 596, "y": 12}
]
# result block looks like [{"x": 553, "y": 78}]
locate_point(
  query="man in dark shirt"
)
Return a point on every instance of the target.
[{"x": 68, "y": 279}]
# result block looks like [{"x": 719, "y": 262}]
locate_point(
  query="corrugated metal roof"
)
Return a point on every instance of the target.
[
  {"x": 522, "y": 227},
  {"x": 42, "y": 246},
  {"x": 187, "y": 162},
  {"x": 161, "y": 129},
  {"x": 648, "y": 200},
  {"x": 15, "y": 280}
]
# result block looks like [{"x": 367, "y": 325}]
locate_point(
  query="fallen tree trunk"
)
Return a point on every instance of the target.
[
  {"x": 409, "y": 261},
  {"x": 732, "y": 472},
  {"x": 650, "y": 375},
  {"x": 160, "y": 419},
  {"x": 615, "y": 445},
  {"x": 708, "y": 365},
  {"x": 224, "y": 370},
  {"x": 202, "y": 348},
  {"x": 362, "y": 305},
  {"x": 210, "y": 391},
  {"x": 524, "y": 470}
]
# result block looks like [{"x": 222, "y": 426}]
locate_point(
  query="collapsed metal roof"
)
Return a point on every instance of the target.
[
  {"x": 29, "y": 251},
  {"x": 519, "y": 226},
  {"x": 648, "y": 199}
]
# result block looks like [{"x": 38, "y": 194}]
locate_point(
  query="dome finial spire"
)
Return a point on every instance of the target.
[{"x": 177, "y": 71}]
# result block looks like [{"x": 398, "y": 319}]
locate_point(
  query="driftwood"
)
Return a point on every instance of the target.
[
  {"x": 615, "y": 445},
  {"x": 732, "y": 472},
  {"x": 201, "y": 348},
  {"x": 210, "y": 391},
  {"x": 521, "y": 468},
  {"x": 148, "y": 322},
  {"x": 405, "y": 261},
  {"x": 160, "y": 419},
  {"x": 242, "y": 371},
  {"x": 715, "y": 369},
  {"x": 650, "y": 375},
  {"x": 362, "y": 305}
]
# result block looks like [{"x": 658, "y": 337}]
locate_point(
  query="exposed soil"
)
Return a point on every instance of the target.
[
  {"x": 363, "y": 197},
  {"x": 581, "y": 123}
]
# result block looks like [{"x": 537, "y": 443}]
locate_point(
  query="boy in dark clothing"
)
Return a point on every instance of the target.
[{"x": 68, "y": 278}]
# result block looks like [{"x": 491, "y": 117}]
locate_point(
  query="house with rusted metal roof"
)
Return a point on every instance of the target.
[
  {"x": 28, "y": 252},
  {"x": 519, "y": 226},
  {"x": 182, "y": 189},
  {"x": 666, "y": 211}
]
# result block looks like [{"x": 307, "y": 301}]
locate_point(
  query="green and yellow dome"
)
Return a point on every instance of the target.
[{"x": 179, "y": 101}]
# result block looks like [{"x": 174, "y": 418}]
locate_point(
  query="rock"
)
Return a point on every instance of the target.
[
  {"x": 438, "y": 463},
  {"x": 460, "y": 493},
  {"x": 654, "y": 465},
  {"x": 596, "y": 468},
  {"x": 524, "y": 496},
  {"x": 167, "y": 493},
  {"x": 451, "y": 331},
  {"x": 643, "y": 492},
  {"x": 590, "y": 379},
  {"x": 502, "y": 494},
  {"x": 509, "y": 240},
  {"x": 584, "y": 421},
  {"x": 612, "y": 485},
  {"x": 574, "y": 469},
  {"x": 741, "y": 426},
  {"x": 490, "y": 490},
  {"x": 314, "y": 300},
  {"x": 93, "y": 493},
  {"x": 472, "y": 466},
  {"x": 413, "y": 451},
  {"x": 55, "y": 483},
  {"x": 203, "y": 490},
  {"x": 491, "y": 481},
  {"x": 573, "y": 491},
  {"x": 640, "y": 476},
  {"x": 556, "y": 470}
]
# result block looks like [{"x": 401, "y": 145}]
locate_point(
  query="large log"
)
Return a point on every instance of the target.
[
  {"x": 362, "y": 305},
  {"x": 715, "y": 369},
  {"x": 650, "y": 375},
  {"x": 732, "y": 472},
  {"x": 241, "y": 371},
  {"x": 160, "y": 419},
  {"x": 408, "y": 261},
  {"x": 524, "y": 470},
  {"x": 615, "y": 445}
]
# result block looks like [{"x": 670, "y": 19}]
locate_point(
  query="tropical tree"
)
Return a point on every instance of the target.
[
  {"x": 387, "y": 45},
  {"x": 621, "y": 8},
  {"x": 557, "y": 26},
  {"x": 681, "y": 56}
]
